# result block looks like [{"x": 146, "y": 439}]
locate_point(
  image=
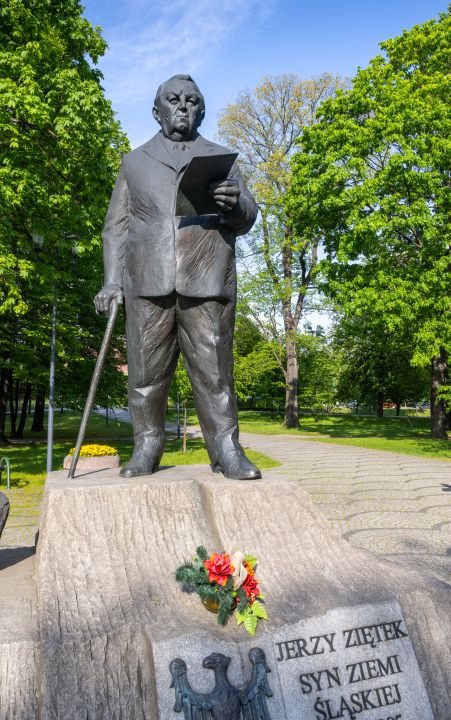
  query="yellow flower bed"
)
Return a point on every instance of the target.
[{"x": 95, "y": 451}]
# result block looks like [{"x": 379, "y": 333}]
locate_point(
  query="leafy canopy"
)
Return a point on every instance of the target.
[
  {"x": 373, "y": 178},
  {"x": 60, "y": 143},
  {"x": 61, "y": 149}
]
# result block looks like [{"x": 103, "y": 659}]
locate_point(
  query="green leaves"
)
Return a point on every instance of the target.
[
  {"x": 258, "y": 609},
  {"x": 249, "y": 616},
  {"x": 372, "y": 178},
  {"x": 278, "y": 262},
  {"x": 201, "y": 553},
  {"x": 250, "y": 623},
  {"x": 64, "y": 145},
  {"x": 251, "y": 559},
  {"x": 193, "y": 573},
  {"x": 61, "y": 149},
  {"x": 225, "y": 604}
]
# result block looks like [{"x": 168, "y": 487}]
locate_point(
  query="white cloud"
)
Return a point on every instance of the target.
[{"x": 178, "y": 36}]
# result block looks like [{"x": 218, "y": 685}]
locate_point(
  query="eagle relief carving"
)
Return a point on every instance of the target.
[{"x": 225, "y": 702}]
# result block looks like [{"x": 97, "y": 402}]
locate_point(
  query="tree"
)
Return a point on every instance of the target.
[
  {"x": 319, "y": 368},
  {"x": 377, "y": 365},
  {"x": 372, "y": 178},
  {"x": 256, "y": 370},
  {"x": 181, "y": 385},
  {"x": 262, "y": 126},
  {"x": 61, "y": 149}
]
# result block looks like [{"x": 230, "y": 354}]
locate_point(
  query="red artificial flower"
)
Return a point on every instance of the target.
[
  {"x": 250, "y": 587},
  {"x": 219, "y": 568}
]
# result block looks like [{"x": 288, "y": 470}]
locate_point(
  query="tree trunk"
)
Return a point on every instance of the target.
[
  {"x": 184, "y": 423},
  {"x": 380, "y": 404},
  {"x": 4, "y": 393},
  {"x": 398, "y": 408},
  {"x": 438, "y": 410},
  {"x": 29, "y": 405},
  {"x": 16, "y": 402},
  {"x": 12, "y": 414},
  {"x": 291, "y": 394},
  {"x": 38, "y": 418},
  {"x": 23, "y": 414}
]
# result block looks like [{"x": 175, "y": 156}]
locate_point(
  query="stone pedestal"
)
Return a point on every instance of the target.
[
  {"x": 19, "y": 638},
  {"x": 112, "y": 617}
]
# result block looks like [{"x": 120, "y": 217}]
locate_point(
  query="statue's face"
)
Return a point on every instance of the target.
[{"x": 179, "y": 112}]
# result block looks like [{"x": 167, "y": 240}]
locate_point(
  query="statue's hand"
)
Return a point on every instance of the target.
[
  {"x": 225, "y": 194},
  {"x": 103, "y": 298}
]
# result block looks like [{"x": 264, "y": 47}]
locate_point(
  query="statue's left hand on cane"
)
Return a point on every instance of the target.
[{"x": 103, "y": 299}]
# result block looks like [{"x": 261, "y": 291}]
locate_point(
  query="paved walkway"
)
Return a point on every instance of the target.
[
  {"x": 22, "y": 523},
  {"x": 398, "y": 506}
]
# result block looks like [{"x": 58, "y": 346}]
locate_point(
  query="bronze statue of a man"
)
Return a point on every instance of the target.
[{"x": 178, "y": 278}]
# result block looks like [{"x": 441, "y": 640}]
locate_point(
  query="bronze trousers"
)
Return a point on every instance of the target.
[{"x": 157, "y": 329}]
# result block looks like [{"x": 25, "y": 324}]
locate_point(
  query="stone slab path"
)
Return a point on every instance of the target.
[{"x": 398, "y": 506}]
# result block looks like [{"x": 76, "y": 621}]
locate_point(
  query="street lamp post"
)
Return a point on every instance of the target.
[
  {"x": 178, "y": 414},
  {"x": 52, "y": 377},
  {"x": 38, "y": 242}
]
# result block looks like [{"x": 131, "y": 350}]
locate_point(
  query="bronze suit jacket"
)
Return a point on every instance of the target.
[{"x": 148, "y": 250}]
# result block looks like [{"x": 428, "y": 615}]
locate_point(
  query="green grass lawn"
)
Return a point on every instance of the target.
[
  {"x": 28, "y": 462},
  {"x": 352, "y": 425},
  {"x": 347, "y": 425},
  {"x": 423, "y": 447},
  {"x": 390, "y": 434},
  {"x": 67, "y": 424}
]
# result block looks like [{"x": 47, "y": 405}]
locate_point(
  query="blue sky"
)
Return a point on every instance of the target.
[{"x": 227, "y": 45}]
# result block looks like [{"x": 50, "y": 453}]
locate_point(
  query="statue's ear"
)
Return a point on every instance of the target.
[
  {"x": 202, "y": 115},
  {"x": 156, "y": 114}
]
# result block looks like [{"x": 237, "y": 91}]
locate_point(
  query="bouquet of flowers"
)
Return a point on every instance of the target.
[{"x": 224, "y": 581}]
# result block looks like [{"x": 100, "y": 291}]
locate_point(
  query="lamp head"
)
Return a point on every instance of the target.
[{"x": 38, "y": 241}]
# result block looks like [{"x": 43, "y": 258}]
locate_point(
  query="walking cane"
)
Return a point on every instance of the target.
[{"x": 114, "y": 307}]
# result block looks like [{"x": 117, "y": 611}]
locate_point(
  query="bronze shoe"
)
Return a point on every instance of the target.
[
  {"x": 235, "y": 465},
  {"x": 149, "y": 449}
]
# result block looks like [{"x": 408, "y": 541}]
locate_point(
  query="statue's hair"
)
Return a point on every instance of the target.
[{"x": 179, "y": 77}]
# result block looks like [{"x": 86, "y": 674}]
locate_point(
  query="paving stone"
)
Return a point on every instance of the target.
[{"x": 388, "y": 503}]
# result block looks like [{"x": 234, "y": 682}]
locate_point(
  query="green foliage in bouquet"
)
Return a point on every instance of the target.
[{"x": 211, "y": 577}]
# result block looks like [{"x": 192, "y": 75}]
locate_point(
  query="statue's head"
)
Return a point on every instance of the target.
[{"x": 179, "y": 107}]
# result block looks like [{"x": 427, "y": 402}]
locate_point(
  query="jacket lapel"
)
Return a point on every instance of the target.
[
  {"x": 200, "y": 147},
  {"x": 157, "y": 149}
]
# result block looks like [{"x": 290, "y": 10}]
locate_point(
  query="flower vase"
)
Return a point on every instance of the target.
[{"x": 213, "y": 605}]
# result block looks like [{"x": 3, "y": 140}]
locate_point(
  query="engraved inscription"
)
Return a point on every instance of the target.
[{"x": 336, "y": 668}]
